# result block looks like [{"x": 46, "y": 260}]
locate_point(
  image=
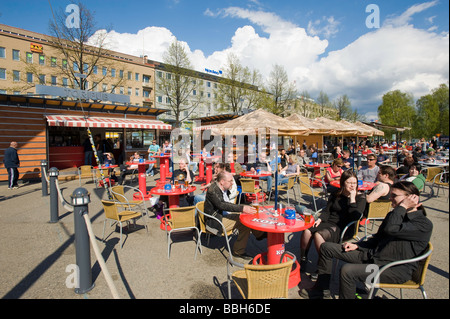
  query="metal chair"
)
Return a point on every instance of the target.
[
  {"x": 85, "y": 171},
  {"x": 202, "y": 216},
  {"x": 286, "y": 188},
  {"x": 440, "y": 180},
  {"x": 113, "y": 215},
  {"x": 377, "y": 210},
  {"x": 118, "y": 193},
  {"x": 418, "y": 278},
  {"x": 261, "y": 281},
  {"x": 306, "y": 189},
  {"x": 430, "y": 173},
  {"x": 248, "y": 186},
  {"x": 355, "y": 230},
  {"x": 180, "y": 219}
]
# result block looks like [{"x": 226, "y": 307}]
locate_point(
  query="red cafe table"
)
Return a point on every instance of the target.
[
  {"x": 174, "y": 194},
  {"x": 208, "y": 160},
  {"x": 164, "y": 168},
  {"x": 276, "y": 227},
  {"x": 103, "y": 167},
  {"x": 142, "y": 179},
  {"x": 366, "y": 186},
  {"x": 255, "y": 175},
  {"x": 317, "y": 167}
]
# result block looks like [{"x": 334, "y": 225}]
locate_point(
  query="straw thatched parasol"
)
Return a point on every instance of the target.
[
  {"x": 375, "y": 131},
  {"x": 313, "y": 126},
  {"x": 342, "y": 129},
  {"x": 260, "y": 119}
]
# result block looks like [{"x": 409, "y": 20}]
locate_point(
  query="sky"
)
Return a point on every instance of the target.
[{"x": 361, "y": 48}]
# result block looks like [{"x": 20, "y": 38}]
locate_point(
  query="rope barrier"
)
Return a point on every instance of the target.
[{"x": 100, "y": 259}]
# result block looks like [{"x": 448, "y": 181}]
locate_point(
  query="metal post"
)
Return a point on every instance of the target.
[
  {"x": 359, "y": 156},
  {"x": 80, "y": 201},
  {"x": 54, "y": 207},
  {"x": 43, "y": 178}
]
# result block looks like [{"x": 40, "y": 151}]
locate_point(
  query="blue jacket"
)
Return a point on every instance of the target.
[{"x": 11, "y": 159}]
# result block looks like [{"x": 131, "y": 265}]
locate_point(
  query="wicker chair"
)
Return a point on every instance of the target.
[
  {"x": 286, "y": 188},
  {"x": 118, "y": 193},
  {"x": 248, "y": 186},
  {"x": 85, "y": 171},
  {"x": 261, "y": 281},
  {"x": 180, "y": 219},
  {"x": 418, "y": 278},
  {"x": 306, "y": 189},
  {"x": 377, "y": 211},
  {"x": 430, "y": 173},
  {"x": 440, "y": 180}
]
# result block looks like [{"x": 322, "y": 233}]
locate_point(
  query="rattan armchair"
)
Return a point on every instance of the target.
[{"x": 377, "y": 210}]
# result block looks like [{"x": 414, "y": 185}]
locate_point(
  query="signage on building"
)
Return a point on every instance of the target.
[
  {"x": 213, "y": 71},
  {"x": 38, "y": 48},
  {"x": 81, "y": 94}
]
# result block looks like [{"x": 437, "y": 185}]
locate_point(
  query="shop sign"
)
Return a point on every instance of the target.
[{"x": 38, "y": 48}]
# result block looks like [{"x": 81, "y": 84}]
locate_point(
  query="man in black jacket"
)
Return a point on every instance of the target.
[
  {"x": 218, "y": 205},
  {"x": 11, "y": 161},
  {"x": 403, "y": 234}
]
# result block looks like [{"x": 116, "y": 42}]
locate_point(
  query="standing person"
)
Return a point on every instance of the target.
[
  {"x": 152, "y": 150},
  {"x": 403, "y": 234},
  {"x": 88, "y": 153},
  {"x": 12, "y": 163}
]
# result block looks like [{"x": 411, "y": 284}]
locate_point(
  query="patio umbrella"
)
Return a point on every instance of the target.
[
  {"x": 313, "y": 126},
  {"x": 261, "y": 121}
]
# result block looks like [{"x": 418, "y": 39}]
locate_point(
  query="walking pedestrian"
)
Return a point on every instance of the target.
[{"x": 12, "y": 163}]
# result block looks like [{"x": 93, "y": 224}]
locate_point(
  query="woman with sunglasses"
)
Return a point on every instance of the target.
[{"x": 343, "y": 207}]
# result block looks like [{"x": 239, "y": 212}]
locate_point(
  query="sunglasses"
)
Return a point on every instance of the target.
[{"x": 372, "y": 159}]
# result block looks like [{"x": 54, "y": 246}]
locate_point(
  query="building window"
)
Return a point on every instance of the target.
[
  {"x": 140, "y": 138},
  {"x": 65, "y": 82},
  {"x": 41, "y": 59},
  {"x": 105, "y": 87},
  {"x": 121, "y": 74},
  {"x": 53, "y": 62},
  {"x": 2, "y": 91},
  {"x": 2, "y": 74},
  {"x": 2, "y": 53},
  {"x": 121, "y": 90},
  {"x": 30, "y": 77},
  {"x": 159, "y": 99},
  {"x": 130, "y": 91},
  {"x": 104, "y": 71},
  {"x": 16, "y": 55},
  {"x": 16, "y": 76},
  {"x": 130, "y": 75},
  {"x": 41, "y": 78},
  {"x": 194, "y": 92},
  {"x": 85, "y": 68},
  {"x": 29, "y": 57},
  {"x": 145, "y": 79},
  {"x": 75, "y": 67},
  {"x": 208, "y": 84},
  {"x": 146, "y": 94},
  {"x": 64, "y": 64},
  {"x": 136, "y": 77},
  {"x": 95, "y": 69},
  {"x": 54, "y": 80},
  {"x": 113, "y": 73},
  {"x": 137, "y": 92}
]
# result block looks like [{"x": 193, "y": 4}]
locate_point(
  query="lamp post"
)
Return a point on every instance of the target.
[
  {"x": 53, "y": 174},
  {"x": 44, "y": 178},
  {"x": 80, "y": 200}
]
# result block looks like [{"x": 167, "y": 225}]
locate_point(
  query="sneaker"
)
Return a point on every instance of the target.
[
  {"x": 315, "y": 293},
  {"x": 15, "y": 187}
]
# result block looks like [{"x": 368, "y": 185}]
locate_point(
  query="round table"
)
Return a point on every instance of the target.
[
  {"x": 208, "y": 160},
  {"x": 173, "y": 194},
  {"x": 107, "y": 180},
  {"x": 276, "y": 227},
  {"x": 142, "y": 179},
  {"x": 434, "y": 163},
  {"x": 366, "y": 186},
  {"x": 164, "y": 167},
  {"x": 317, "y": 167}
]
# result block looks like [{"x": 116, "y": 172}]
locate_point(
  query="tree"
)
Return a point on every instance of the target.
[
  {"x": 239, "y": 87},
  {"x": 427, "y": 122},
  {"x": 441, "y": 95},
  {"x": 343, "y": 106},
  {"x": 84, "y": 49},
  {"x": 282, "y": 91},
  {"x": 304, "y": 103},
  {"x": 397, "y": 109},
  {"x": 324, "y": 102},
  {"x": 178, "y": 84}
]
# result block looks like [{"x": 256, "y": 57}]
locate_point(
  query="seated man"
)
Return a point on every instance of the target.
[
  {"x": 382, "y": 158},
  {"x": 370, "y": 172},
  {"x": 217, "y": 204},
  {"x": 218, "y": 167},
  {"x": 302, "y": 159},
  {"x": 348, "y": 161},
  {"x": 183, "y": 174},
  {"x": 403, "y": 234},
  {"x": 129, "y": 169}
]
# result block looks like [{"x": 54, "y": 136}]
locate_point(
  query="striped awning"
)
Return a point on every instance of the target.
[
  {"x": 206, "y": 127},
  {"x": 79, "y": 121}
]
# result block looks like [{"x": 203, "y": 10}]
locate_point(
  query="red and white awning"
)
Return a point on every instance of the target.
[
  {"x": 206, "y": 127},
  {"x": 102, "y": 122}
]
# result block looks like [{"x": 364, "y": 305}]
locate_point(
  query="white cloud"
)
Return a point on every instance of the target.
[{"x": 396, "y": 56}]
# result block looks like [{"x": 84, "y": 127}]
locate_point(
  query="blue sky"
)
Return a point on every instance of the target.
[{"x": 324, "y": 45}]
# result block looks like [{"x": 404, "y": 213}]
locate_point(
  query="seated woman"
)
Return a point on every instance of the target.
[
  {"x": 129, "y": 169},
  {"x": 334, "y": 173},
  {"x": 403, "y": 170},
  {"x": 415, "y": 176},
  {"x": 109, "y": 160},
  {"x": 343, "y": 207},
  {"x": 292, "y": 169}
]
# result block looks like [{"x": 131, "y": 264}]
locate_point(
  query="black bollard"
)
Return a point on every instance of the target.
[
  {"x": 43, "y": 179},
  {"x": 54, "y": 207},
  {"x": 80, "y": 201}
]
